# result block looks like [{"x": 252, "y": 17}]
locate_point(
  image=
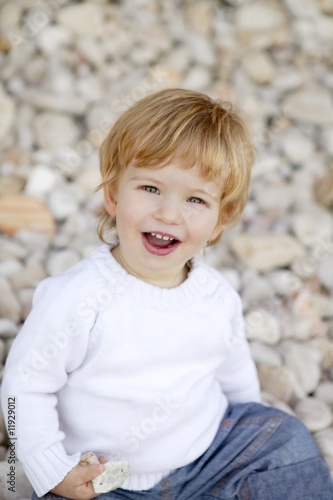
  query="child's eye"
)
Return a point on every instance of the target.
[
  {"x": 151, "y": 189},
  {"x": 194, "y": 199}
]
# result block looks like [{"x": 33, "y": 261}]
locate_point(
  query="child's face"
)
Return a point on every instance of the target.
[{"x": 163, "y": 217}]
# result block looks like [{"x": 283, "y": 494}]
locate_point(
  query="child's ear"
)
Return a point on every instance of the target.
[{"x": 110, "y": 201}]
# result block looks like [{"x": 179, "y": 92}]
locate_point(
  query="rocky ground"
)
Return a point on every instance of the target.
[{"x": 68, "y": 69}]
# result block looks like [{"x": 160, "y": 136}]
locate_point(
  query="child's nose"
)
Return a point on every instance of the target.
[{"x": 169, "y": 212}]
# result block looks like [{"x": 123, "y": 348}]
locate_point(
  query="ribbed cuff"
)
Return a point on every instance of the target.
[{"x": 48, "y": 468}]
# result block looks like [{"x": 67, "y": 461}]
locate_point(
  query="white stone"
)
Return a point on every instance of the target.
[
  {"x": 7, "y": 113},
  {"x": 33, "y": 241},
  {"x": 197, "y": 78},
  {"x": 9, "y": 267},
  {"x": 41, "y": 181},
  {"x": 303, "y": 306},
  {"x": 114, "y": 475},
  {"x": 61, "y": 100},
  {"x": 60, "y": 261},
  {"x": 233, "y": 277},
  {"x": 52, "y": 38},
  {"x": 258, "y": 16},
  {"x": 7, "y": 328},
  {"x": 324, "y": 29},
  {"x": 324, "y": 348},
  {"x": 77, "y": 224},
  {"x": 327, "y": 140},
  {"x": 281, "y": 405},
  {"x": 265, "y": 252},
  {"x": 307, "y": 8},
  {"x": 82, "y": 19},
  {"x": 92, "y": 49},
  {"x": 90, "y": 88},
  {"x": 277, "y": 198},
  {"x": 264, "y": 354},
  {"x": 325, "y": 271},
  {"x": 298, "y": 327},
  {"x": 297, "y": 147},
  {"x": 284, "y": 282},
  {"x": 305, "y": 365},
  {"x": 324, "y": 392},
  {"x": 55, "y": 130},
  {"x": 259, "y": 66},
  {"x": 322, "y": 305},
  {"x": 199, "y": 16},
  {"x": 11, "y": 249},
  {"x": 314, "y": 413},
  {"x": 262, "y": 326},
  {"x": 309, "y": 105},
  {"x": 9, "y": 305},
  {"x": 288, "y": 78},
  {"x": 257, "y": 292},
  {"x": 312, "y": 225},
  {"x": 143, "y": 55},
  {"x": 324, "y": 440},
  {"x": 202, "y": 50},
  {"x": 61, "y": 203},
  {"x": 179, "y": 58},
  {"x": 29, "y": 276}
]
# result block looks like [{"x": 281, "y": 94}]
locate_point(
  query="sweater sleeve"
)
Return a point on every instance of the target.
[
  {"x": 238, "y": 375},
  {"x": 51, "y": 344}
]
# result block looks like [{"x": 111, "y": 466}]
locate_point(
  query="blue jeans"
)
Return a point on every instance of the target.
[{"x": 259, "y": 453}]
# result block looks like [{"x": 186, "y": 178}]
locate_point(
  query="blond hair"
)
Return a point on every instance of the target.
[{"x": 186, "y": 127}]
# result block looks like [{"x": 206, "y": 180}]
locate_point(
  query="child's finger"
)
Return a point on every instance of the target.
[{"x": 88, "y": 472}]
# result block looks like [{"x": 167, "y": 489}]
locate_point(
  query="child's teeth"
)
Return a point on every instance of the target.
[{"x": 161, "y": 237}]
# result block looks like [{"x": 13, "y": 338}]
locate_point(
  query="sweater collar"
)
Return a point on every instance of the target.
[{"x": 199, "y": 282}]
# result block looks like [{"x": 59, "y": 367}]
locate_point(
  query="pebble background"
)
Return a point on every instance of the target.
[{"x": 68, "y": 69}]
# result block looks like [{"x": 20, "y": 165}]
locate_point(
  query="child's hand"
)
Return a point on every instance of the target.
[{"x": 77, "y": 484}]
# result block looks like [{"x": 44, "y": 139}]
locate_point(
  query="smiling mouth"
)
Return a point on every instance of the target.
[{"x": 159, "y": 240}]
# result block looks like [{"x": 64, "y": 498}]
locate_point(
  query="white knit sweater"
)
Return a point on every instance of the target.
[{"x": 108, "y": 363}]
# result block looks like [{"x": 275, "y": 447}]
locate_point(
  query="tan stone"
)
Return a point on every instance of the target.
[
  {"x": 19, "y": 212},
  {"x": 265, "y": 252},
  {"x": 279, "y": 381}
]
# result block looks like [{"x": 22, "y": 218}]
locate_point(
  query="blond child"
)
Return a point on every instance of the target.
[{"x": 138, "y": 352}]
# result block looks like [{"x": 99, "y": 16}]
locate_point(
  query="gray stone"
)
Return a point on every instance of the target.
[
  {"x": 55, "y": 130},
  {"x": 23, "y": 488},
  {"x": 9, "y": 305},
  {"x": 7, "y": 112},
  {"x": 59, "y": 262}
]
